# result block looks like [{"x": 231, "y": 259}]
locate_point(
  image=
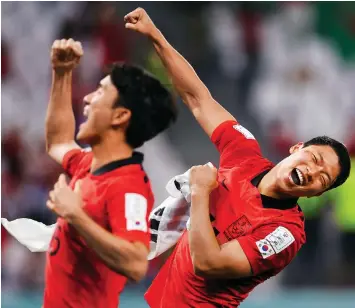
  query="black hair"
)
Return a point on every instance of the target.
[
  {"x": 152, "y": 106},
  {"x": 342, "y": 153}
]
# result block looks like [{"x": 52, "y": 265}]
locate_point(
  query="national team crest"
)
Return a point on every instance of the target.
[{"x": 237, "y": 228}]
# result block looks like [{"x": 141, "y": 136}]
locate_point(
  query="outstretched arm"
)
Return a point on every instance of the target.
[
  {"x": 60, "y": 121},
  {"x": 191, "y": 89}
]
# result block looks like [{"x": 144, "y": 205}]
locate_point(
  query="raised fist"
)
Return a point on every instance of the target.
[
  {"x": 139, "y": 21},
  {"x": 203, "y": 178},
  {"x": 65, "y": 55}
]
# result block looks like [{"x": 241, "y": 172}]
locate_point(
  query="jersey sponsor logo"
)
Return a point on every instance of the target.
[
  {"x": 247, "y": 134},
  {"x": 136, "y": 212},
  {"x": 237, "y": 228},
  {"x": 277, "y": 241}
]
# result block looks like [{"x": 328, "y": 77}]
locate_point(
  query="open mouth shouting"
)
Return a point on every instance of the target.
[{"x": 297, "y": 177}]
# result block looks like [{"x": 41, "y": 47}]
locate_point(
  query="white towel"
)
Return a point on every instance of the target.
[
  {"x": 167, "y": 222},
  {"x": 35, "y": 235}
]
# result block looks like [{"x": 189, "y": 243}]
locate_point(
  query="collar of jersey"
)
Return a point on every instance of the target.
[
  {"x": 135, "y": 159},
  {"x": 269, "y": 202}
]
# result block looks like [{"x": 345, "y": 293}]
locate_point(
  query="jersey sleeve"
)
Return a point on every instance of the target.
[
  {"x": 234, "y": 143},
  {"x": 128, "y": 213},
  {"x": 72, "y": 159},
  {"x": 270, "y": 248}
]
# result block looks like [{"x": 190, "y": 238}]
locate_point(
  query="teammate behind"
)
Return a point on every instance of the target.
[
  {"x": 246, "y": 225},
  {"x": 102, "y": 235}
]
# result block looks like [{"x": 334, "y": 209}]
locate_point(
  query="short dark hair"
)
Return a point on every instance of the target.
[
  {"x": 152, "y": 105},
  {"x": 342, "y": 153}
]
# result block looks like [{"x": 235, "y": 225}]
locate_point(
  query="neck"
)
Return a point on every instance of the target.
[
  {"x": 268, "y": 187},
  {"x": 107, "y": 151}
]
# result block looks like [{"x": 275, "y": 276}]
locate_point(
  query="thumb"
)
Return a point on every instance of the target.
[
  {"x": 209, "y": 164},
  {"x": 131, "y": 26},
  {"x": 77, "y": 187},
  {"x": 62, "y": 180}
]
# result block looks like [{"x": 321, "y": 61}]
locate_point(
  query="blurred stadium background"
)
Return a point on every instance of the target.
[{"x": 286, "y": 70}]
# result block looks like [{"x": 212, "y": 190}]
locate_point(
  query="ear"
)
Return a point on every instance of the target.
[
  {"x": 120, "y": 115},
  {"x": 296, "y": 147}
]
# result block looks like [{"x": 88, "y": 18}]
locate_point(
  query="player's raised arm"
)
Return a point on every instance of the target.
[
  {"x": 60, "y": 121},
  {"x": 191, "y": 89}
]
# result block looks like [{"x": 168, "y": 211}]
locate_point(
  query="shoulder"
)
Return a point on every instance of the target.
[
  {"x": 128, "y": 183},
  {"x": 250, "y": 169},
  {"x": 286, "y": 234},
  {"x": 76, "y": 160},
  {"x": 294, "y": 220},
  {"x": 85, "y": 160}
]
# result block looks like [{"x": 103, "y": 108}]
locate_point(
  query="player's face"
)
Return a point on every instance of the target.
[
  {"x": 100, "y": 116},
  {"x": 308, "y": 171}
]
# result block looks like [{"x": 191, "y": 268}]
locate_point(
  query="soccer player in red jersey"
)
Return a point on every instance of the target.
[
  {"x": 102, "y": 235},
  {"x": 246, "y": 225}
]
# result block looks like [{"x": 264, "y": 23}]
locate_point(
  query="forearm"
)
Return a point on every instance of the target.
[
  {"x": 208, "y": 113},
  {"x": 204, "y": 247},
  {"x": 60, "y": 121},
  {"x": 185, "y": 80},
  {"x": 117, "y": 253}
]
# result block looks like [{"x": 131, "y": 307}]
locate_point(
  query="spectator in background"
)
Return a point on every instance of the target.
[
  {"x": 302, "y": 86},
  {"x": 250, "y": 20},
  {"x": 21, "y": 196},
  {"x": 111, "y": 33},
  {"x": 226, "y": 39}
]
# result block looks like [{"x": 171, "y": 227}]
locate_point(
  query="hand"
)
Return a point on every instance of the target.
[
  {"x": 63, "y": 200},
  {"x": 203, "y": 179},
  {"x": 138, "y": 20},
  {"x": 65, "y": 55}
]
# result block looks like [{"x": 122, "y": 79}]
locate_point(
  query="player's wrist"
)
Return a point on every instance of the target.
[
  {"x": 75, "y": 216},
  {"x": 200, "y": 190},
  {"x": 61, "y": 73},
  {"x": 156, "y": 36}
]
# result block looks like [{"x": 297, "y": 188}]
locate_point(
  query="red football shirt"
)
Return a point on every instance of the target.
[
  {"x": 270, "y": 231},
  {"x": 119, "y": 198}
]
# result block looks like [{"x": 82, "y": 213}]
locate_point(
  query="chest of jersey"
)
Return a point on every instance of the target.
[
  {"x": 235, "y": 210},
  {"x": 93, "y": 203},
  {"x": 94, "y": 199}
]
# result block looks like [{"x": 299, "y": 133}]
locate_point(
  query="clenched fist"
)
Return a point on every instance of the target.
[
  {"x": 139, "y": 21},
  {"x": 203, "y": 178},
  {"x": 64, "y": 201},
  {"x": 65, "y": 55}
]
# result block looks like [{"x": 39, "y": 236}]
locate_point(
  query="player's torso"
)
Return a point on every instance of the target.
[
  {"x": 235, "y": 210},
  {"x": 72, "y": 267},
  {"x": 235, "y": 206},
  {"x": 66, "y": 243}
]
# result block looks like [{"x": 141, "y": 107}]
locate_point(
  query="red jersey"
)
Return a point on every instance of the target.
[
  {"x": 119, "y": 198},
  {"x": 270, "y": 231}
]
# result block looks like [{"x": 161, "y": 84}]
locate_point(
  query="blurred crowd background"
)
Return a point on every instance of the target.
[{"x": 286, "y": 70}]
